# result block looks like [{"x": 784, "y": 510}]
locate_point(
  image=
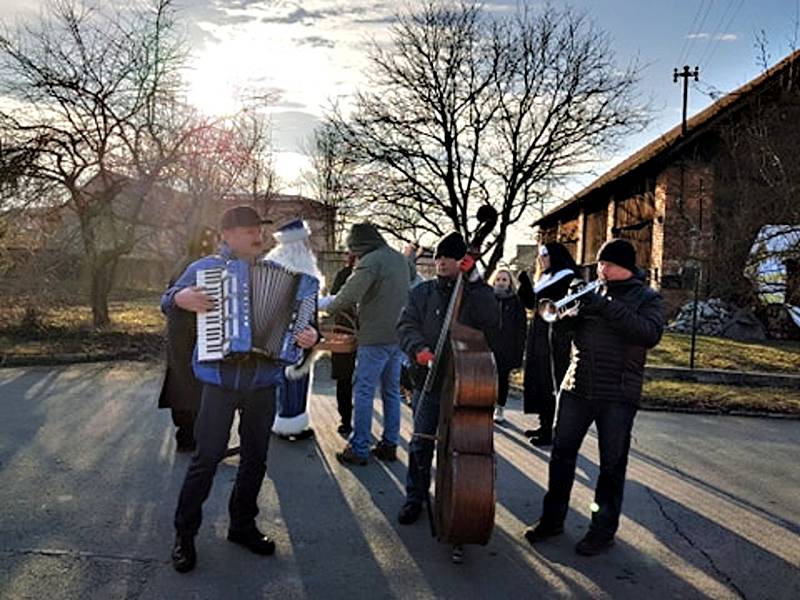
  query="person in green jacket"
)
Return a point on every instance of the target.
[{"x": 379, "y": 287}]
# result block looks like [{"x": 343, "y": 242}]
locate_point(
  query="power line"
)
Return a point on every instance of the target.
[
  {"x": 699, "y": 30},
  {"x": 726, "y": 28},
  {"x": 690, "y": 31}
]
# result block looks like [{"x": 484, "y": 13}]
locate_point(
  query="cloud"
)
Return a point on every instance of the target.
[
  {"x": 722, "y": 37},
  {"x": 315, "y": 41}
]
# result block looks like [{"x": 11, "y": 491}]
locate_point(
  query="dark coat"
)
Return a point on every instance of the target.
[
  {"x": 181, "y": 390},
  {"x": 547, "y": 349},
  {"x": 611, "y": 340},
  {"x": 343, "y": 365},
  {"x": 508, "y": 339},
  {"x": 423, "y": 316}
]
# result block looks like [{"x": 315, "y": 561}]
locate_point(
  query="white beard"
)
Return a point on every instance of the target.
[{"x": 296, "y": 256}]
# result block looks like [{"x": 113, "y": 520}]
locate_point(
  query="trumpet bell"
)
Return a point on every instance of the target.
[{"x": 548, "y": 311}]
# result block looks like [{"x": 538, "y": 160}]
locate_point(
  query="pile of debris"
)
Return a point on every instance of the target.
[{"x": 718, "y": 318}]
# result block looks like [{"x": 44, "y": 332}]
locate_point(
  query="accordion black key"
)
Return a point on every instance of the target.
[{"x": 258, "y": 309}]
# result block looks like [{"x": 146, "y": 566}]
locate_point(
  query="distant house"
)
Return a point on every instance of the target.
[
  {"x": 679, "y": 197},
  {"x": 164, "y": 219}
]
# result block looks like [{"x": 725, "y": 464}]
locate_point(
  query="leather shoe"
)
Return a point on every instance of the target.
[
  {"x": 409, "y": 513},
  {"x": 253, "y": 540},
  {"x": 184, "y": 555},
  {"x": 543, "y": 439},
  {"x": 349, "y": 457},
  {"x": 385, "y": 451},
  {"x": 543, "y": 531},
  {"x": 593, "y": 544}
]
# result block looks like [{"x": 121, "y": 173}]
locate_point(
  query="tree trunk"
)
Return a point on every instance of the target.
[{"x": 102, "y": 275}]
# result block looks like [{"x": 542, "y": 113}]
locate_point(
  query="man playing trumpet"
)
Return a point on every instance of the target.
[{"x": 603, "y": 384}]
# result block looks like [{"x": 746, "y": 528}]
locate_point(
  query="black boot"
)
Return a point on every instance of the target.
[
  {"x": 409, "y": 513},
  {"x": 184, "y": 555},
  {"x": 543, "y": 438},
  {"x": 543, "y": 531}
]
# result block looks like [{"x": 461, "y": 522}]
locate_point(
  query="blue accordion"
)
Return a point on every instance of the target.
[{"x": 258, "y": 309}]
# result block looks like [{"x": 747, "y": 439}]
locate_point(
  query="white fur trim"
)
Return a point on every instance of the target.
[
  {"x": 293, "y": 235},
  {"x": 290, "y": 425},
  {"x": 304, "y": 367}
]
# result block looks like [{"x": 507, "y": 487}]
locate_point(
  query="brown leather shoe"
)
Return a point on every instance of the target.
[
  {"x": 593, "y": 544},
  {"x": 385, "y": 452},
  {"x": 349, "y": 457}
]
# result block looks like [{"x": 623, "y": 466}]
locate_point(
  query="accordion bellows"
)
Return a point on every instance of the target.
[{"x": 258, "y": 309}]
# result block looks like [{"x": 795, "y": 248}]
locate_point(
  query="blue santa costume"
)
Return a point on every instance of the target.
[{"x": 294, "y": 253}]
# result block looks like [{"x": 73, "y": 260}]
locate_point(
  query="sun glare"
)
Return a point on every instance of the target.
[{"x": 213, "y": 84}]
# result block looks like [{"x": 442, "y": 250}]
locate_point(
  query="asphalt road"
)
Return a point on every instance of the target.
[{"x": 89, "y": 480}]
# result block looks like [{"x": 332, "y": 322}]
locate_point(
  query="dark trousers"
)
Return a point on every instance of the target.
[
  {"x": 420, "y": 449},
  {"x": 344, "y": 399},
  {"x": 614, "y": 421},
  {"x": 212, "y": 430},
  {"x": 502, "y": 386},
  {"x": 184, "y": 421}
]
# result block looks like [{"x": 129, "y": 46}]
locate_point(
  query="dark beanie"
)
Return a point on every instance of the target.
[
  {"x": 451, "y": 246},
  {"x": 620, "y": 252}
]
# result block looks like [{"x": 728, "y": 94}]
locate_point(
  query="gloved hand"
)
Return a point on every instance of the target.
[
  {"x": 324, "y": 302},
  {"x": 592, "y": 303},
  {"x": 467, "y": 263},
  {"x": 424, "y": 357}
]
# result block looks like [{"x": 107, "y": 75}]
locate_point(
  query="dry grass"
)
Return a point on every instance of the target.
[
  {"x": 720, "y": 353},
  {"x": 723, "y": 398}
]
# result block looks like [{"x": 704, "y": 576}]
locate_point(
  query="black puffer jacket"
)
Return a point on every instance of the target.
[
  {"x": 421, "y": 319},
  {"x": 508, "y": 339},
  {"x": 610, "y": 343}
]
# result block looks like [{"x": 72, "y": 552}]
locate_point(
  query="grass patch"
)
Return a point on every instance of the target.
[
  {"x": 136, "y": 330},
  {"x": 723, "y": 398},
  {"x": 775, "y": 356}
]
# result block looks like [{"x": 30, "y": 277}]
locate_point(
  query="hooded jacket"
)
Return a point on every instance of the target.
[
  {"x": 378, "y": 286},
  {"x": 611, "y": 341}
]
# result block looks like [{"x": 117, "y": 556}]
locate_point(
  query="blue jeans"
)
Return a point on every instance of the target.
[
  {"x": 376, "y": 364},
  {"x": 614, "y": 421}
]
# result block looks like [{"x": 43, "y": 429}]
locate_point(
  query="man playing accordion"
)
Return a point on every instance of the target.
[{"x": 246, "y": 383}]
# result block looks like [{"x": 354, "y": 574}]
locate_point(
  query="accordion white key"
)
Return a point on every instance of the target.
[{"x": 258, "y": 309}]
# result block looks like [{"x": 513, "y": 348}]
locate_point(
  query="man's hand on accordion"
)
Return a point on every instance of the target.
[
  {"x": 307, "y": 338},
  {"x": 194, "y": 299}
]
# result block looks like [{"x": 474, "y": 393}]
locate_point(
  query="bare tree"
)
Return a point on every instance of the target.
[
  {"x": 332, "y": 176},
  {"x": 229, "y": 155},
  {"x": 94, "y": 90},
  {"x": 463, "y": 109}
]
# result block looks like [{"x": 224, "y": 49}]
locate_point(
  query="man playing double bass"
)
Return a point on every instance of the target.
[{"x": 418, "y": 327}]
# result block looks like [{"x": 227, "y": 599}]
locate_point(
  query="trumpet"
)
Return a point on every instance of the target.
[{"x": 568, "y": 306}]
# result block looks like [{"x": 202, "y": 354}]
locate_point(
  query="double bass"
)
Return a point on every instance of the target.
[{"x": 465, "y": 462}]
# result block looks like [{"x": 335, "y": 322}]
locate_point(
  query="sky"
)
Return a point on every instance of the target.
[{"x": 308, "y": 53}]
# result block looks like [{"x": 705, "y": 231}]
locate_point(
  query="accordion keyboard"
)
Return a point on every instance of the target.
[{"x": 210, "y": 324}]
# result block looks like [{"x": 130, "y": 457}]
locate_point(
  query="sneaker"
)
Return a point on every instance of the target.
[
  {"x": 253, "y": 540},
  {"x": 594, "y": 543},
  {"x": 184, "y": 555},
  {"x": 543, "y": 531},
  {"x": 499, "y": 417},
  {"x": 349, "y": 457},
  {"x": 409, "y": 513},
  {"x": 385, "y": 451}
]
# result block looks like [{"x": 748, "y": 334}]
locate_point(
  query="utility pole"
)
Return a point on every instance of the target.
[
  {"x": 686, "y": 74},
  {"x": 695, "y": 262}
]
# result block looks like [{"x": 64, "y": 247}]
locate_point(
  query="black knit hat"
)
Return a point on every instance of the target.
[
  {"x": 451, "y": 246},
  {"x": 620, "y": 252}
]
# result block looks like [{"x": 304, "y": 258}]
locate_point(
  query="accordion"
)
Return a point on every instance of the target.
[{"x": 257, "y": 309}]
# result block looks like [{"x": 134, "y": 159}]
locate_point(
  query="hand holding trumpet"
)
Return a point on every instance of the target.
[{"x": 585, "y": 299}]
